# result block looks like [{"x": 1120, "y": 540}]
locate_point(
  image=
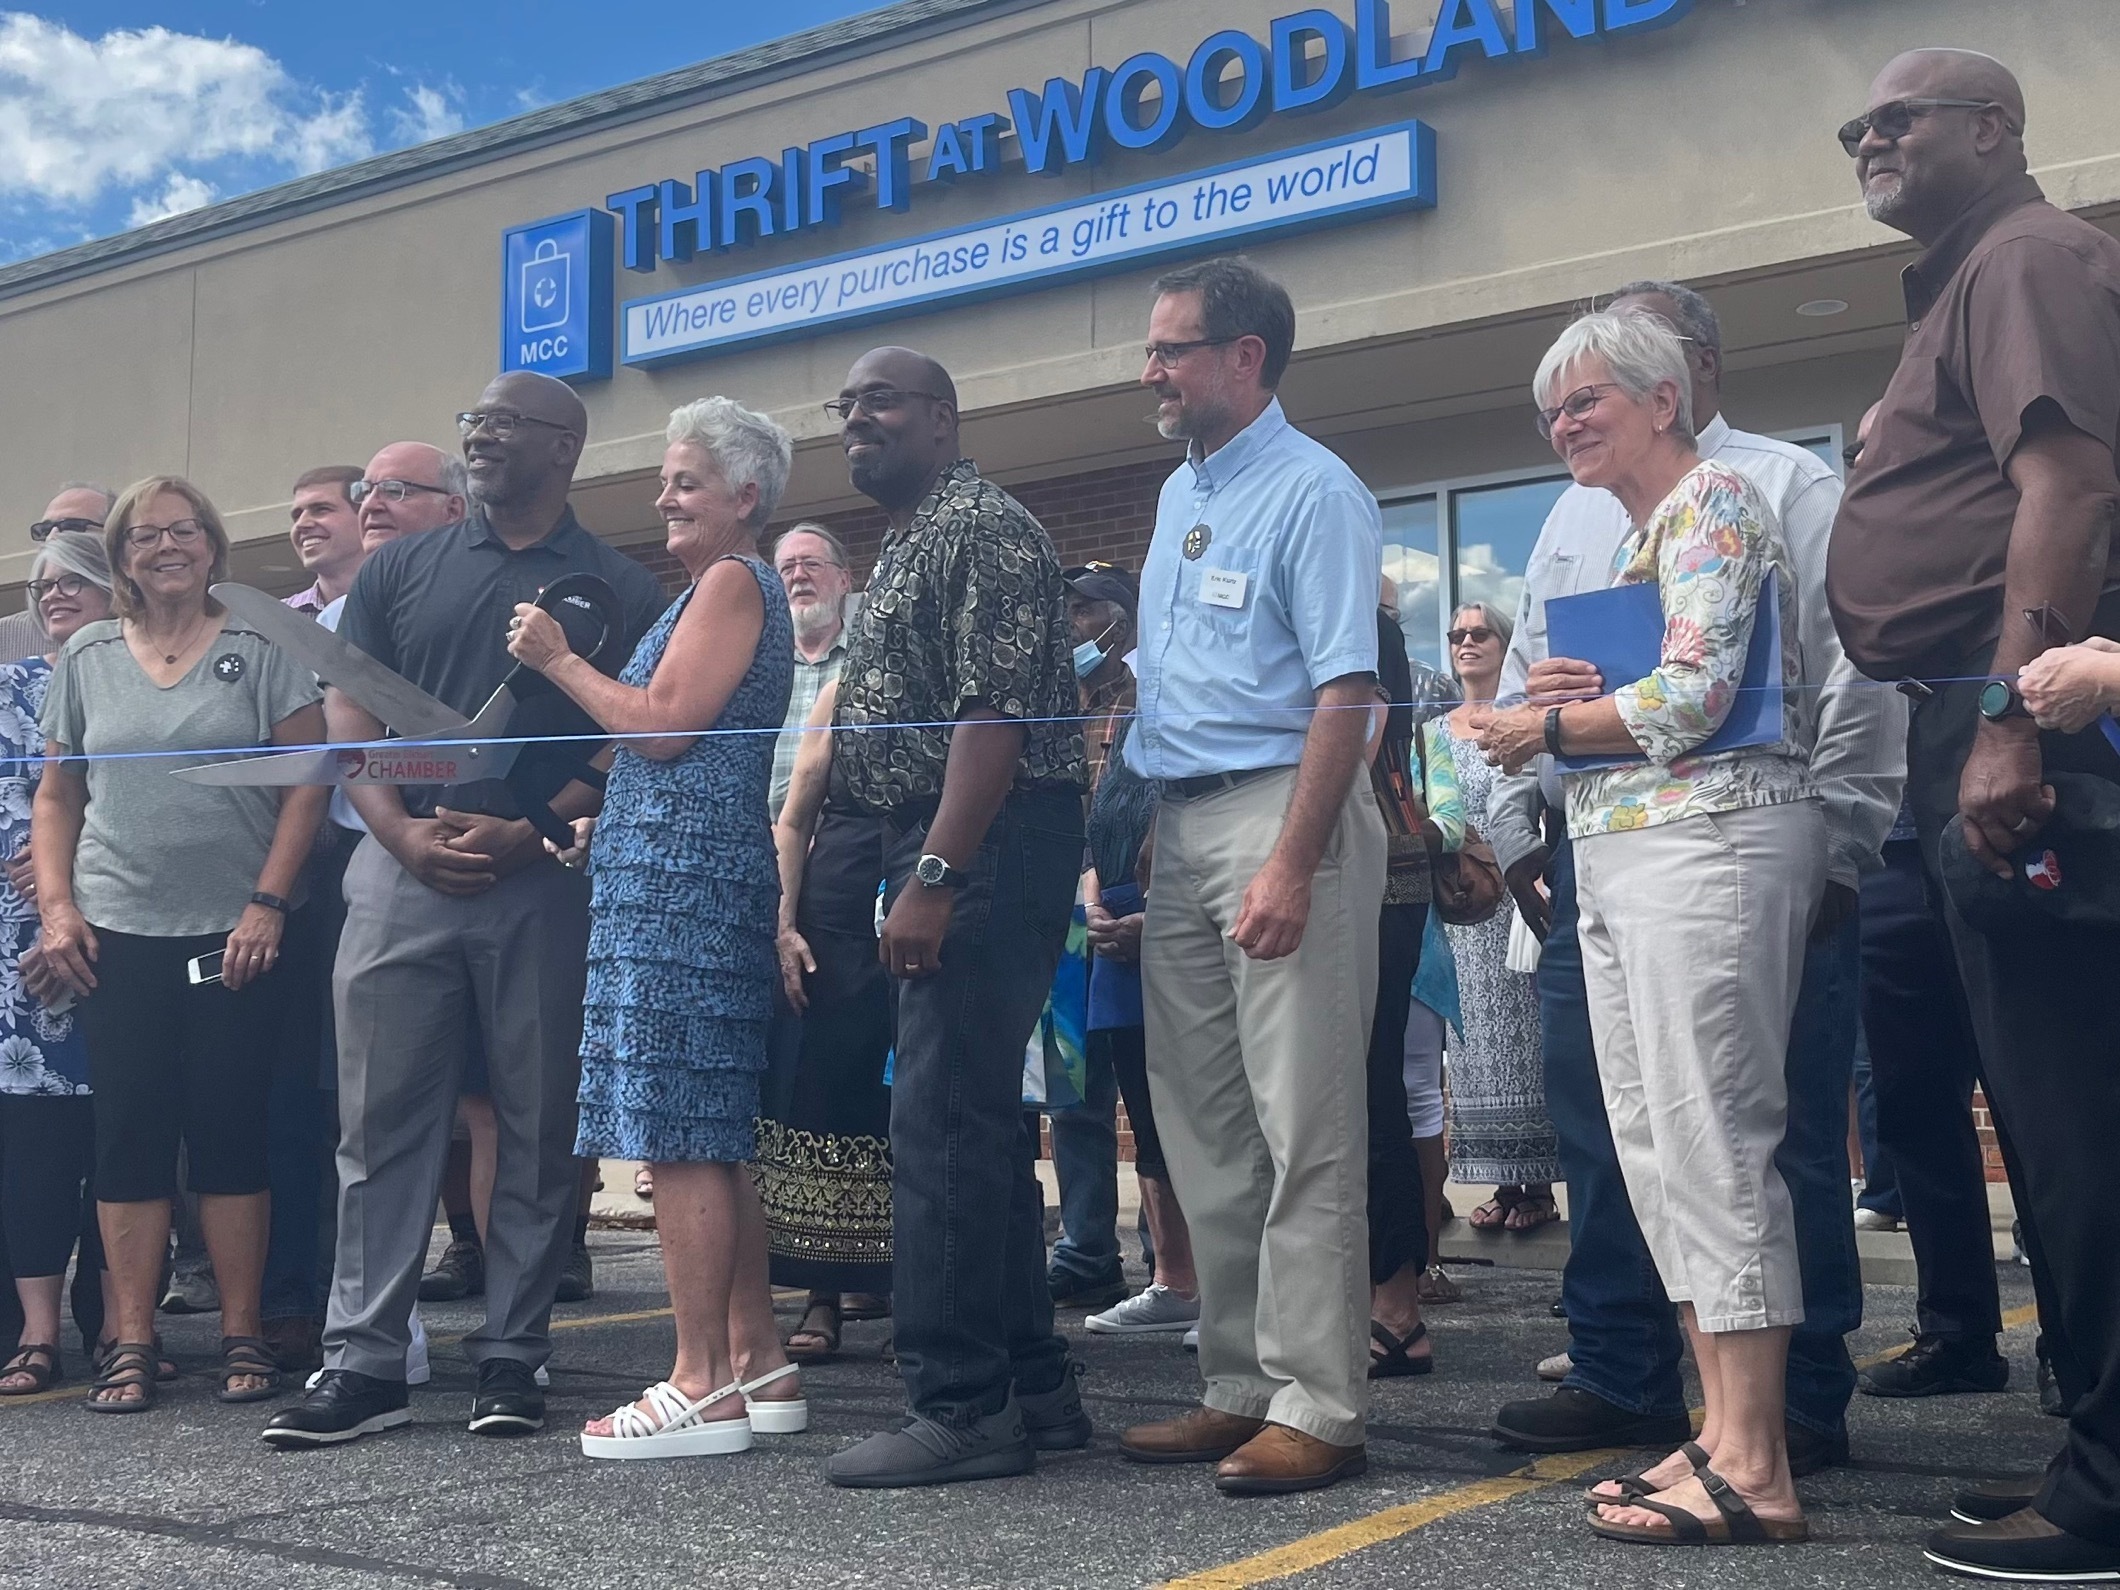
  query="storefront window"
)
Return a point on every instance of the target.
[
  {"x": 1494, "y": 529},
  {"x": 1410, "y": 562}
]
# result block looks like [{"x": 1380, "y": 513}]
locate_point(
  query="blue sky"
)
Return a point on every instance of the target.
[{"x": 114, "y": 113}]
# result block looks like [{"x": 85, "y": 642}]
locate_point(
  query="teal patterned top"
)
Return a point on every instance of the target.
[{"x": 1707, "y": 547}]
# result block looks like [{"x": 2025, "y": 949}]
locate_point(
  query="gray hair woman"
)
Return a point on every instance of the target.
[
  {"x": 47, "y": 1120},
  {"x": 682, "y": 962},
  {"x": 1698, "y": 875}
]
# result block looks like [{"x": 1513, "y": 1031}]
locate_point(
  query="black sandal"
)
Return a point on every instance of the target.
[
  {"x": 248, "y": 1357},
  {"x": 166, "y": 1368},
  {"x": 1736, "y": 1525},
  {"x": 828, "y": 1335},
  {"x": 1634, "y": 1487},
  {"x": 1394, "y": 1361},
  {"x": 128, "y": 1366},
  {"x": 42, "y": 1375}
]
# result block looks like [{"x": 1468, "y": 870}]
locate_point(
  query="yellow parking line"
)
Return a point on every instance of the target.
[{"x": 1313, "y": 1551}]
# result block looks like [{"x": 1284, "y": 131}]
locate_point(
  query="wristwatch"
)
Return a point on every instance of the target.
[
  {"x": 935, "y": 873},
  {"x": 1553, "y": 730},
  {"x": 271, "y": 901},
  {"x": 1999, "y": 700}
]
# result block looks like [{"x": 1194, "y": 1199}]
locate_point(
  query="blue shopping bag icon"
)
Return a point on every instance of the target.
[{"x": 547, "y": 279}]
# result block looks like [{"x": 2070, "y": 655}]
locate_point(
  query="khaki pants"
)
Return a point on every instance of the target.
[
  {"x": 1692, "y": 937},
  {"x": 1258, "y": 1069}
]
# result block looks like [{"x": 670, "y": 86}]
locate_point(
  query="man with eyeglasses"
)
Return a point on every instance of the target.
[
  {"x": 407, "y": 489},
  {"x": 78, "y": 506},
  {"x": 955, "y": 724},
  {"x": 460, "y": 916},
  {"x": 813, "y": 566},
  {"x": 1623, "y": 1386},
  {"x": 326, "y": 532},
  {"x": 1977, "y": 535},
  {"x": 1257, "y": 672}
]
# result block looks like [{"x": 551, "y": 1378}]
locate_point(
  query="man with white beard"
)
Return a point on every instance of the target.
[{"x": 813, "y": 566}]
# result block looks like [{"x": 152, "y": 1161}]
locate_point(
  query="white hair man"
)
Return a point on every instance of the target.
[{"x": 813, "y": 566}]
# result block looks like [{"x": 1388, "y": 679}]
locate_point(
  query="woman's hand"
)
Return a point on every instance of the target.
[
  {"x": 38, "y": 977},
  {"x": 795, "y": 959},
  {"x": 69, "y": 947},
  {"x": 1118, "y": 937},
  {"x": 22, "y": 873},
  {"x": 535, "y": 639},
  {"x": 1563, "y": 679},
  {"x": 1512, "y": 738},
  {"x": 254, "y": 946},
  {"x": 2067, "y": 688},
  {"x": 577, "y": 853}
]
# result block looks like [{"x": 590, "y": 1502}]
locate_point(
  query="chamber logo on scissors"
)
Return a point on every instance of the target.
[
  {"x": 2044, "y": 871},
  {"x": 384, "y": 766},
  {"x": 556, "y": 297},
  {"x": 228, "y": 667}
]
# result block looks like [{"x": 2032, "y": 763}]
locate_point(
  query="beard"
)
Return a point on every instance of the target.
[
  {"x": 1887, "y": 205},
  {"x": 1200, "y": 415},
  {"x": 814, "y": 618}
]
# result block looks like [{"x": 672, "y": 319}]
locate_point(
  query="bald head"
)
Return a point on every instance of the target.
[
  {"x": 540, "y": 397},
  {"x": 522, "y": 458},
  {"x": 1943, "y": 129},
  {"x": 903, "y": 433},
  {"x": 407, "y": 488},
  {"x": 906, "y": 368},
  {"x": 1938, "y": 73}
]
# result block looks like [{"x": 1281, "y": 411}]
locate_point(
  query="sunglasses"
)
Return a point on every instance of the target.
[
  {"x": 1895, "y": 118},
  {"x": 45, "y": 529},
  {"x": 1477, "y": 635}
]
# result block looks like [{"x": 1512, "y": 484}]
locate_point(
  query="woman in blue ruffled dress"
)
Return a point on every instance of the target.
[{"x": 682, "y": 962}]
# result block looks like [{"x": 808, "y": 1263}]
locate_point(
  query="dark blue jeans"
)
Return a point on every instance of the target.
[
  {"x": 972, "y": 1310},
  {"x": 1086, "y": 1162},
  {"x": 1624, "y": 1334},
  {"x": 300, "y": 1134},
  {"x": 1880, "y": 1177}
]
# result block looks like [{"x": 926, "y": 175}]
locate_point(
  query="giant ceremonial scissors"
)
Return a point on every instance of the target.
[{"x": 442, "y": 745}]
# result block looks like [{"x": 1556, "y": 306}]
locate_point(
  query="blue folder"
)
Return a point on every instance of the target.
[{"x": 1620, "y": 631}]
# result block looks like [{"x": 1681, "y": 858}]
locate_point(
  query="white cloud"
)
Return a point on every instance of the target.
[
  {"x": 429, "y": 113},
  {"x": 82, "y": 118},
  {"x": 180, "y": 193}
]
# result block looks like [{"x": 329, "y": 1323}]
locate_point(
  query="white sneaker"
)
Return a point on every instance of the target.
[
  {"x": 1192, "y": 1340},
  {"x": 419, "y": 1366},
  {"x": 1875, "y": 1220},
  {"x": 1557, "y": 1367},
  {"x": 1157, "y": 1309}
]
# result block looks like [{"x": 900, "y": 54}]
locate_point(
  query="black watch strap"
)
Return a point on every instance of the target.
[
  {"x": 260, "y": 897},
  {"x": 1553, "y": 730}
]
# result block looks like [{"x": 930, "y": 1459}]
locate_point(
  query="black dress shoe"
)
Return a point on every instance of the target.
[
  {"x": 1074, "y": 1291},
  {"x": 1993, "y": 1500},
  {"x": 577, "y": 1278},
  {"x": 460, "y": 1272},
  {"x": 1936, "y": 1366},
  {"x": 507, "y": 1401},
  {"x": 2051, "y": 1402},
  {"x": 1809, "y": 1451},
  {"x": 1574, "y": 1420},
  {"x": 2024, "y": 1548},
  {"x": 343, "y": 1406}
]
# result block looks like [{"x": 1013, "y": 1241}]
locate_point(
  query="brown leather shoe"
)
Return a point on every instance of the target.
[
  {"x": 1280, "y": 1459},
  {"x": 1199, "y": 1435}
]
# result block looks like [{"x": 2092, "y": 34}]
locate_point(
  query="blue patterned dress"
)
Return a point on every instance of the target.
[
  {"x": 681, "y": 937},
  {"x": 39, "y": 1053}
]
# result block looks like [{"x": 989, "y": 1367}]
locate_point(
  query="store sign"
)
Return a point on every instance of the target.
[
  {"x": 555, "y": 289},
  {"x": 1387, "y": 168}
]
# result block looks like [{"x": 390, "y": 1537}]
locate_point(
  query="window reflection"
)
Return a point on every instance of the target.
[
  {"x": 1411, "y": 562},
  {"x": 1496, "y": 528}
]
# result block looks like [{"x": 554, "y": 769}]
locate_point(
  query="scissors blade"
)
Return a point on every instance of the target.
[
  {"x": 394, "y": 763},
  {"x": 282, "y": 770},
  {"x": 401, "y": 704}
]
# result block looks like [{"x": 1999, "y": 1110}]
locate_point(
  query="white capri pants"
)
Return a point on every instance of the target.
[
  {"x": 1692, "y": 937},
  {"x": 1423, "y": 1070}
]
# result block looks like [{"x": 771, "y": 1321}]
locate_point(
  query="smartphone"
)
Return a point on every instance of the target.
[
  {"x": 63, "y": 1001},
  {"x": 205, "y": 968}
]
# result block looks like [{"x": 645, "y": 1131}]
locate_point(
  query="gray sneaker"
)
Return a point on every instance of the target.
[
  {"x": 923, "y": 1452},
  {"x": 1157, "y": 1309},
  {"x": 1055, "y": 1419},
  {"x": 191, "y": 1290}
]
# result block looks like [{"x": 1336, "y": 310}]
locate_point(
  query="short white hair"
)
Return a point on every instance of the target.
[
  {"x": 746, "y": 447},
  {"x": 1639, "y": 349}
]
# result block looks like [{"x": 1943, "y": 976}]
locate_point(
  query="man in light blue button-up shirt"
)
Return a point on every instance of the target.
[{"x": 1257, "y": 665}]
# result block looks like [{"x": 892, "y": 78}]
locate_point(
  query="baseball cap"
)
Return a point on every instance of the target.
[
  {"x": 2067, "y": 872},
  {"x": 1105, "y": 582}
]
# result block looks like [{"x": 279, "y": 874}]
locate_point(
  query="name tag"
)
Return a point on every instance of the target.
[{"x": 1223, "y": 587}]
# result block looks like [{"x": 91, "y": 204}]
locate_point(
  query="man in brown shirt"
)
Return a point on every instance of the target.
[{"x": 1977, "y": 533}]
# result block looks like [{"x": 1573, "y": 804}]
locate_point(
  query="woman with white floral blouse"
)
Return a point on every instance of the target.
[{"x": 47, "y": 1125}]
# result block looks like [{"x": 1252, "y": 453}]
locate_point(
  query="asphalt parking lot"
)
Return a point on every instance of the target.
[{"x": 187, "y": 1495}]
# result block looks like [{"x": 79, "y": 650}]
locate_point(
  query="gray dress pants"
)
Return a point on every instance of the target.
[{"x": 415, "y": 970}]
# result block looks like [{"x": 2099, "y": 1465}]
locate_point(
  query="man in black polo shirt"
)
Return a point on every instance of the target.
[{"x": 459, "y": 915}]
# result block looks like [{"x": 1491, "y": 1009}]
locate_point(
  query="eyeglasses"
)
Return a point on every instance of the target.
[
  {"x": 183, "y": 533},
  {"x": 500, "y": 424},
  {"x": 1168, "y": 354},
  {"x": 389, "y": 490},
  {"x": 807, "y": 566},
  {"x": 1576, "y": 405},
  {"x": 45, "y": 529},
  {"x": 877, "y": 401},
  {"x": 67, "y": 585},
  {"x": 1895, "y": 118},
  {"x": 1477, "y": 635}
]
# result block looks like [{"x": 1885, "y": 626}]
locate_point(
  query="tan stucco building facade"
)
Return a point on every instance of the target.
[{"x": 314, "y": 322}]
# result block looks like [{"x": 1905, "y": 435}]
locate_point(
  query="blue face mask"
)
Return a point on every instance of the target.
[{"x": 1090, "y": 655}]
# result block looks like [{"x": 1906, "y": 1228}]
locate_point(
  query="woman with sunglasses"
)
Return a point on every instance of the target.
[
  {"x": 163, "y": 903},
  {"x": 1698, "y": 875},
  {"x": 47, "y": 1121},
  {"x": 1500, "y": 1134}
]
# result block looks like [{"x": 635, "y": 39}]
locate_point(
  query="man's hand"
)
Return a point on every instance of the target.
[
  {"x": 22, "y": 874},
  {"x": 1275, "y": 912},
  {"x": 2068, "y": 687},
  {"x": 795, "y": 960},
  {"x": 1527, "y": 886},
  {"x": 1512, "y": 738},
  {"x": 911, "y": 945},
  {"x": 1555, "y": 679},
  {"x": 575, "y": 854},
  {"x": 1834, "y": 910},
  {"x": 253, "y": 948},
  {"x": 2001, "y": 795},
  {"x": 1118, "y": 937},
  {"x": 422, "y": 847},
  {"x": 511, "y": 844}
]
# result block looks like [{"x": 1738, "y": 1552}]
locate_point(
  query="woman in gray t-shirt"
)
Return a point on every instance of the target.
[{"x": 163, "y": 903}]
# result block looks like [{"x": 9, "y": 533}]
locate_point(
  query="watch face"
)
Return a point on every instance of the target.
[
  {"x": 929, "y": 869},
  {"x": 1996, "y": 699}
]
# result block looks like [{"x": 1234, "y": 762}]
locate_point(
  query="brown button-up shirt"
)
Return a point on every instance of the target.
[
  {"x": 2017, "y": 304},
  {"x": 965, "y": 607},
  {"x": 1105, "y": 707}
]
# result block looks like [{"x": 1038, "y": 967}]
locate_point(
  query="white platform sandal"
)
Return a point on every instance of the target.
[
  {"x": 776, "y": 1416},
  {"x": 674, "y": 1429}
]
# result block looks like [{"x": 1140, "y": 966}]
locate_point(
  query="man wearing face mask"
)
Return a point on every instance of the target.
[{"x": 1085, "y": 1273}]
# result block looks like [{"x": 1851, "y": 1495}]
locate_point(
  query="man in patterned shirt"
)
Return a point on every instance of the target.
[{"x": 956, "y": 724}]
